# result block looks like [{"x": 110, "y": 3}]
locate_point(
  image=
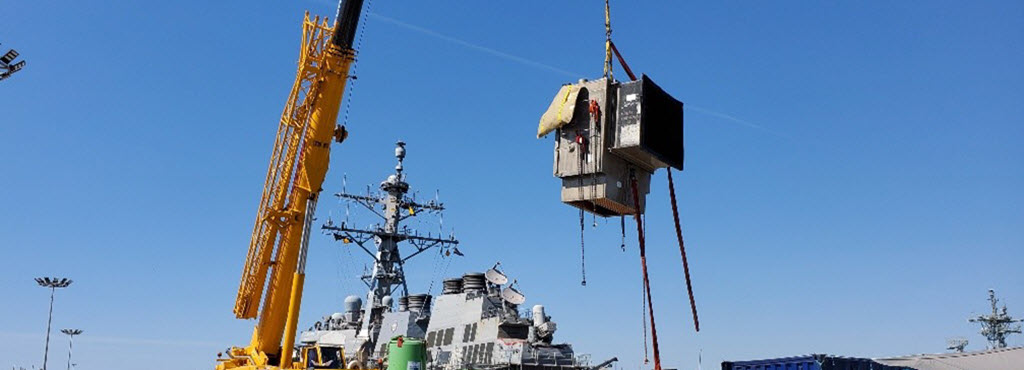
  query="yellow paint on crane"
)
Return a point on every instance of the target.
[{"x": 298, "y": 166}]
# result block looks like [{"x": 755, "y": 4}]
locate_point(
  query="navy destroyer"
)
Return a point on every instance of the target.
[{"x": 479, "y": 321}]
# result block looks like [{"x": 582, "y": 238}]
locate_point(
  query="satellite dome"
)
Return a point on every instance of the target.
[{"x": 353, "y": 303}]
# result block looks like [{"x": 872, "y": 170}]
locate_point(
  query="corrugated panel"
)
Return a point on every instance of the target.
[{"x": 810, "y": 362}]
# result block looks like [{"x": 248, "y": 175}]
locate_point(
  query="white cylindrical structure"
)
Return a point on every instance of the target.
[{"x": 538, "y": 315}]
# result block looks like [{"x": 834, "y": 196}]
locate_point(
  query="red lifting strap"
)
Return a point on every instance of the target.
[
  {"x": 643, "y": 264},
  {"x": 682, "y": 250},
  {"x": 622, "y": 61},
  {"x": 675, "y": 211}
]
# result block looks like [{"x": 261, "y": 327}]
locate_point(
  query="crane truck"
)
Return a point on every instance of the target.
[{"x": 298, "y": 165}]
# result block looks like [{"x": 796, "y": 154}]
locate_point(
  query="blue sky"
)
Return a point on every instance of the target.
[{"x": 852, "y": 186}]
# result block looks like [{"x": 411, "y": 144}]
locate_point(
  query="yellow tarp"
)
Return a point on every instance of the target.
[{"x": 560, "y": 111}]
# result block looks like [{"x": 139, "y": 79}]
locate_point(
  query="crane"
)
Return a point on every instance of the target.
[{"x": 298, "y": 165}]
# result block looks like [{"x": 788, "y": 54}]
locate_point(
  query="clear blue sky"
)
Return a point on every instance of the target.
[{"x": 853, "y": 181}]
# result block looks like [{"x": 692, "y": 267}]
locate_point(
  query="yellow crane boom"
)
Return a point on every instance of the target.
[{"x": 297, "y": 169}]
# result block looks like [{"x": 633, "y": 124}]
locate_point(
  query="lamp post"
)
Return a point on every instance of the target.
[
  {"x": 53, "y": 284},
  {"x": 71, "y": 341}
]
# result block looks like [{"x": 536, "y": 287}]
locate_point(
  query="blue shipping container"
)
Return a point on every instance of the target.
[{"x": 809, "y": 362}]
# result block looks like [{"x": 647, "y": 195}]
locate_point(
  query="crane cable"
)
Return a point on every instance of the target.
[
  {"x": 608, "y": 41},
  {"x": 355, "y": 65},
  {"x": 671, "y": 186},
  {"x": 609, "y": 48}
]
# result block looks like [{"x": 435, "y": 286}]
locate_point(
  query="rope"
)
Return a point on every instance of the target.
[
  {"x": 595, "y": 112},
  {"x": 682, "y": 250},
  {"x": 643, "y": 316},
  {"x": 643, "y": 264},
  {"x": 583, "y": 251},
  {"x": 434, "y": 268}
]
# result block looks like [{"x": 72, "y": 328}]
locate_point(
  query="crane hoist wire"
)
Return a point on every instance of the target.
[
  {"x": 608, "y": 73},
  {"x": 671, "y": 185},
  {"x": 355, "y": 65},
  {"x": 608, "y": 41},
  {"x": 609, "y": 49}
]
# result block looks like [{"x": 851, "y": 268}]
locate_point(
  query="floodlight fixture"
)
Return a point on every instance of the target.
[
  {"x": 71, "y": 341},
  {"x": 6, "y": 66},
  {"x": 9, "y": 57},
  {"x": 53, "y": 283},
  {"x": 16, "y": 67}
]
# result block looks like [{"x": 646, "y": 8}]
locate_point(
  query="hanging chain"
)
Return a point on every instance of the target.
[
  {"x": 622, "y": 224},
  {"x": 583, "y": 252},
  {"x": 595, "y": 113},
  {"x": 580, "y": 142}
]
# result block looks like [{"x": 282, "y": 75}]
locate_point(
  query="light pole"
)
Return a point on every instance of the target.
[
  {"x": 53, "y": 284},
  {"x": 71, "y": 341}
]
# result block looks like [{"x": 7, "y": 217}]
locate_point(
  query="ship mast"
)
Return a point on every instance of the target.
[
  {"x": 998, "y": 324},
  {"x": 388, "y": 274}
]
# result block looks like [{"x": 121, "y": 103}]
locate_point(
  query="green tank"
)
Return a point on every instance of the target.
[{"x": 407, "y": 354}]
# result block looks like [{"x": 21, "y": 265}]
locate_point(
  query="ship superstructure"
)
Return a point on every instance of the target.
[{"x": 478, "y": 322}]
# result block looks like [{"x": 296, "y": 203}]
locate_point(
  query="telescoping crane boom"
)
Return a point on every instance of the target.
[{"x": 298, "y": 165}]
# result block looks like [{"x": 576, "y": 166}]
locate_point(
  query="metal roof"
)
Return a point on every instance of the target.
[{"x": 995, "y": 359}]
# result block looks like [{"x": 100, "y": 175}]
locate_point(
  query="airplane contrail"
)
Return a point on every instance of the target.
[
  {"x": 473, "y": 46},
  {"x": 731, "y": 118},
  {"x": 550, "y": 68}
]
